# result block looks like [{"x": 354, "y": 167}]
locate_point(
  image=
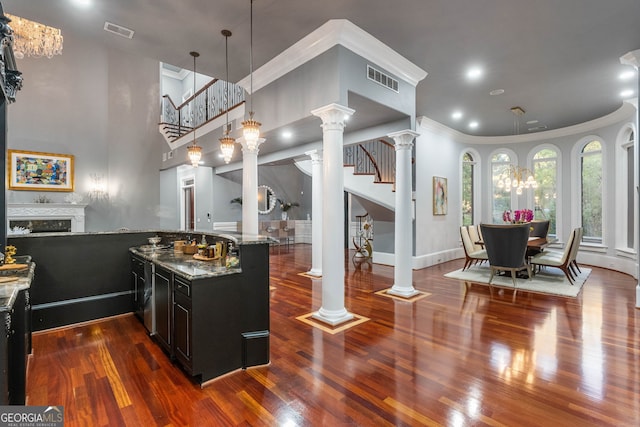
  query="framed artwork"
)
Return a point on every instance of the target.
[
  {"x": 439, "y": 195},
  {"x": 35, "y": 171}
]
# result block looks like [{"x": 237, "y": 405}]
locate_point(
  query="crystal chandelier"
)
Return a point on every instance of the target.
[
  {"x": 517, "y": 178},
  {"x": 194, "y": 151},
  {"x": 251, "y": 127},
  {"x": 227, "y": 143},
  {"x": 31, "y": 38}
]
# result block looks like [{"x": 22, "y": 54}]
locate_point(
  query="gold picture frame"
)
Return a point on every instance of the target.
[
  {"x": 440, "y": 195},
  {"x": 37, "y": 171}
]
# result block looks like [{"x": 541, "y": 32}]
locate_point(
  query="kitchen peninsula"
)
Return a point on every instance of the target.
[{"x": 213, "y": 320}]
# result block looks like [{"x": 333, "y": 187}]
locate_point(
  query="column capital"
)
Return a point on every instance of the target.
[
  {"x": 246, "y": 149},
  {"x": 631, "y": 58},
  {"x": 316, "y": 156},
  {"x": 403, "y": 139},
  {"x": 333, "y": 116}
]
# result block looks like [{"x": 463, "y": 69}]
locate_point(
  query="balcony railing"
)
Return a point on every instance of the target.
[
  {"x": 205, "y": 105},
  {"x": 377, "y": 158}
]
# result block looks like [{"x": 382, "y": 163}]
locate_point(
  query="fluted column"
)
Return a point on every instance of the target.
[
  {"x": 403, "y": 272},
  {"x": 333, "y": 311},
  {"x": 316, "y": 213},
  {"x": 633, "y": 58},
  {"x": 250, "y": 188}
]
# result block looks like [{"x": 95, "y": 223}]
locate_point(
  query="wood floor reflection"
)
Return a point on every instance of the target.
[{"x": 457, "y": 357}]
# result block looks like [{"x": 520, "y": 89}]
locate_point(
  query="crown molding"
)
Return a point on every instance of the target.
[
  {"x": 335, "y": 32},
  {"x": 625, "y": 111}
]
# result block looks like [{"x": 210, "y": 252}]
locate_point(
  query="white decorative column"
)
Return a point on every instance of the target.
[
  {"x": 633, "y": 58},
  {"x": 403, "y": 272},
  {"x": 316, "y": 213},
  {"x": 333, "y": 118},
  {"x": 250, "y": 188}
]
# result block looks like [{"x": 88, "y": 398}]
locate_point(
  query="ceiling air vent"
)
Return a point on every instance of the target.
[
  {"x": 118, "y": 30},
  {"x": 382, "y": 78}
]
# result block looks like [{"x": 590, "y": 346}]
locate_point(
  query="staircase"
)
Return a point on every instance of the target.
[
  {"x": 201, "y": 108},
  {"x": 371, "y": 159}
]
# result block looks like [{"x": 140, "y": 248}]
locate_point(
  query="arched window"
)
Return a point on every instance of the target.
[
  {"x": 545, "y": 169},
  {"x": 630, "y": 154},
  {"x": 591, "y": 191},
  {"x": 501, "y": 199},
  {"x": 468, "y": 185}
]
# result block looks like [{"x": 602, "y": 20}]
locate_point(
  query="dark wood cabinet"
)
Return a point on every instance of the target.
[
  {"x": 138, "y": 285},
  {"x": 15, "y": 340},
  {"x": 182, "y": 322},
  {"x": 163, "y": 301}
]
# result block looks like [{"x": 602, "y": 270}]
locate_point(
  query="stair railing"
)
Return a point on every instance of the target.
[
  {"x": 203, "y": 106},
  {"x": 376, "y": 157}
]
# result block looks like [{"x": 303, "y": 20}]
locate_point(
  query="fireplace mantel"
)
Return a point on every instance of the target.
[{"x": 48, "y": 211}]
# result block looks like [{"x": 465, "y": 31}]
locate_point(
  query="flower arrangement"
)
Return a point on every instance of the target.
[
  {"x": 285, "y": 206},
  {"x": 518, "y": 216}
]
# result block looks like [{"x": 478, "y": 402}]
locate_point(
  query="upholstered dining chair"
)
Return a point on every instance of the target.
[
  {"x": 473, "y": 253},
  {"x": 539, "y": 228},
  {"x": 561, "y": 260},
  {"x": 506, "y": 247}
]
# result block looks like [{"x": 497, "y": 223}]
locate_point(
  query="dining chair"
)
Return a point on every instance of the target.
[
  {"x": 561, "y": 260},
  {"x": 472, "y": 254},
  {"x": 539, "y": 228},
  {"x": 506, "y": 247}
]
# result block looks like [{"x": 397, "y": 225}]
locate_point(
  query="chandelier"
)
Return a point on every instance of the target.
[
  {"x": 227, "y": 143},
  {"x": 31, "y": 38},
  {"x": 194, "y": 152},
  {"x": 517, "y": 178},
  {"x": 251, "y": 127}
]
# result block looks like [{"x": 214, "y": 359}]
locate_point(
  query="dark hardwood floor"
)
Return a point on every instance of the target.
[{"x": 457, "y": 357}]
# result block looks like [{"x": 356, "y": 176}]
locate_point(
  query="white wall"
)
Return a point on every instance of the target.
[{"x": 101, "y": 106}]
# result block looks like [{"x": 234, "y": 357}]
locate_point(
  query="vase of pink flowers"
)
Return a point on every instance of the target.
[{"x": 519, "y": 216}]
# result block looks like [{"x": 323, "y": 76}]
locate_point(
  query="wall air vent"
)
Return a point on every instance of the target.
[
  {"x": 118, "y": 30},
  {"x": 382, "y": 78}
]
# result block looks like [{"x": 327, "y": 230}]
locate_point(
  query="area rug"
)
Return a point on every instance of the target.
[{"x": 548, "y": 281}]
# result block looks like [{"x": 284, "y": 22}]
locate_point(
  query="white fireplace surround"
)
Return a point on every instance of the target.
[{"x": 48, "y": 211}]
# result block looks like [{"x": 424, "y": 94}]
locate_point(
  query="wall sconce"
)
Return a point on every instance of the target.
[{"x": 98, "y": 188}]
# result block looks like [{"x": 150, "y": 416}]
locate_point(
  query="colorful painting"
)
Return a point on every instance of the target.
[
  {"x": 439, "y": 195},
  {"x": 30, "y": 170}
]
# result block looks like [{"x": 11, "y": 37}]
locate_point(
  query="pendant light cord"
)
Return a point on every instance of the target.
[
  {"x": 251, "y": 58},
  {"x": 226, "y": 83}
]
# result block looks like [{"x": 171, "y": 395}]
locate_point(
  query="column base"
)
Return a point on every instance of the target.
[
  {"x": 316, "y": 272},
  {"x": 332, "y": 317},
  {"x": 403, "y": 291}
]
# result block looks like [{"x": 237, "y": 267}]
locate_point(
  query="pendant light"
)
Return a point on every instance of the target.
[
  {"x": 251, "y": 127},
  {"x": 227, "y": 143},
  {"x": 194, "y": 151}
]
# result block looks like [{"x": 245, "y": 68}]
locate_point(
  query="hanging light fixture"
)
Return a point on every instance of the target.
[
  {"x": 251, "y": 127},
  {"x": 194, "y": 151},
  {"x": 518, "y": 178},
  {"x": 227, "y": 144},
  {"x": 31, "y": 38}
]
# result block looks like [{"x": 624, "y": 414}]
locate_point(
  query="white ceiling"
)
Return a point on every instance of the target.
[{"x": 558, "y": 60}]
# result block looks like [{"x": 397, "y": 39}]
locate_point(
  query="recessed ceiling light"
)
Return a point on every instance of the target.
[
  {"x": 496, "y": 92},
  {"x": 473, "y": 125},
  {"x": 82, "y": 3},
  {"x": 626, "y": 75},
  {"x": 532, "y": 122},
  {"x": 626, "y": 93},
  {"x": 456, "y": 115},
  {"x": 474, "y": 73},
  {"x": 287, "y": 134}
]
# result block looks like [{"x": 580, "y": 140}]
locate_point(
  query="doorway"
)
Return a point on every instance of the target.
[{"x": 188, "y": 199}]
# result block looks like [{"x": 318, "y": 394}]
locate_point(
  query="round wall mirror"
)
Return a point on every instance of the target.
[{"x": 266, "y": 199}]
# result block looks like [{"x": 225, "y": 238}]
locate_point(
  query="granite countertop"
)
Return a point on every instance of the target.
[
  {"x": 237, "y": 237},
  {"x": 23, "y": 279},
  {"x": 184, "y": 265}
]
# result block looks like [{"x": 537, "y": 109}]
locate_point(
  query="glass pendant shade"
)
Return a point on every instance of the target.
[
  {"x": 251, "y": 132},
  {"x": 227, "y": 145},
  {"x": 195, "y": 153}
]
